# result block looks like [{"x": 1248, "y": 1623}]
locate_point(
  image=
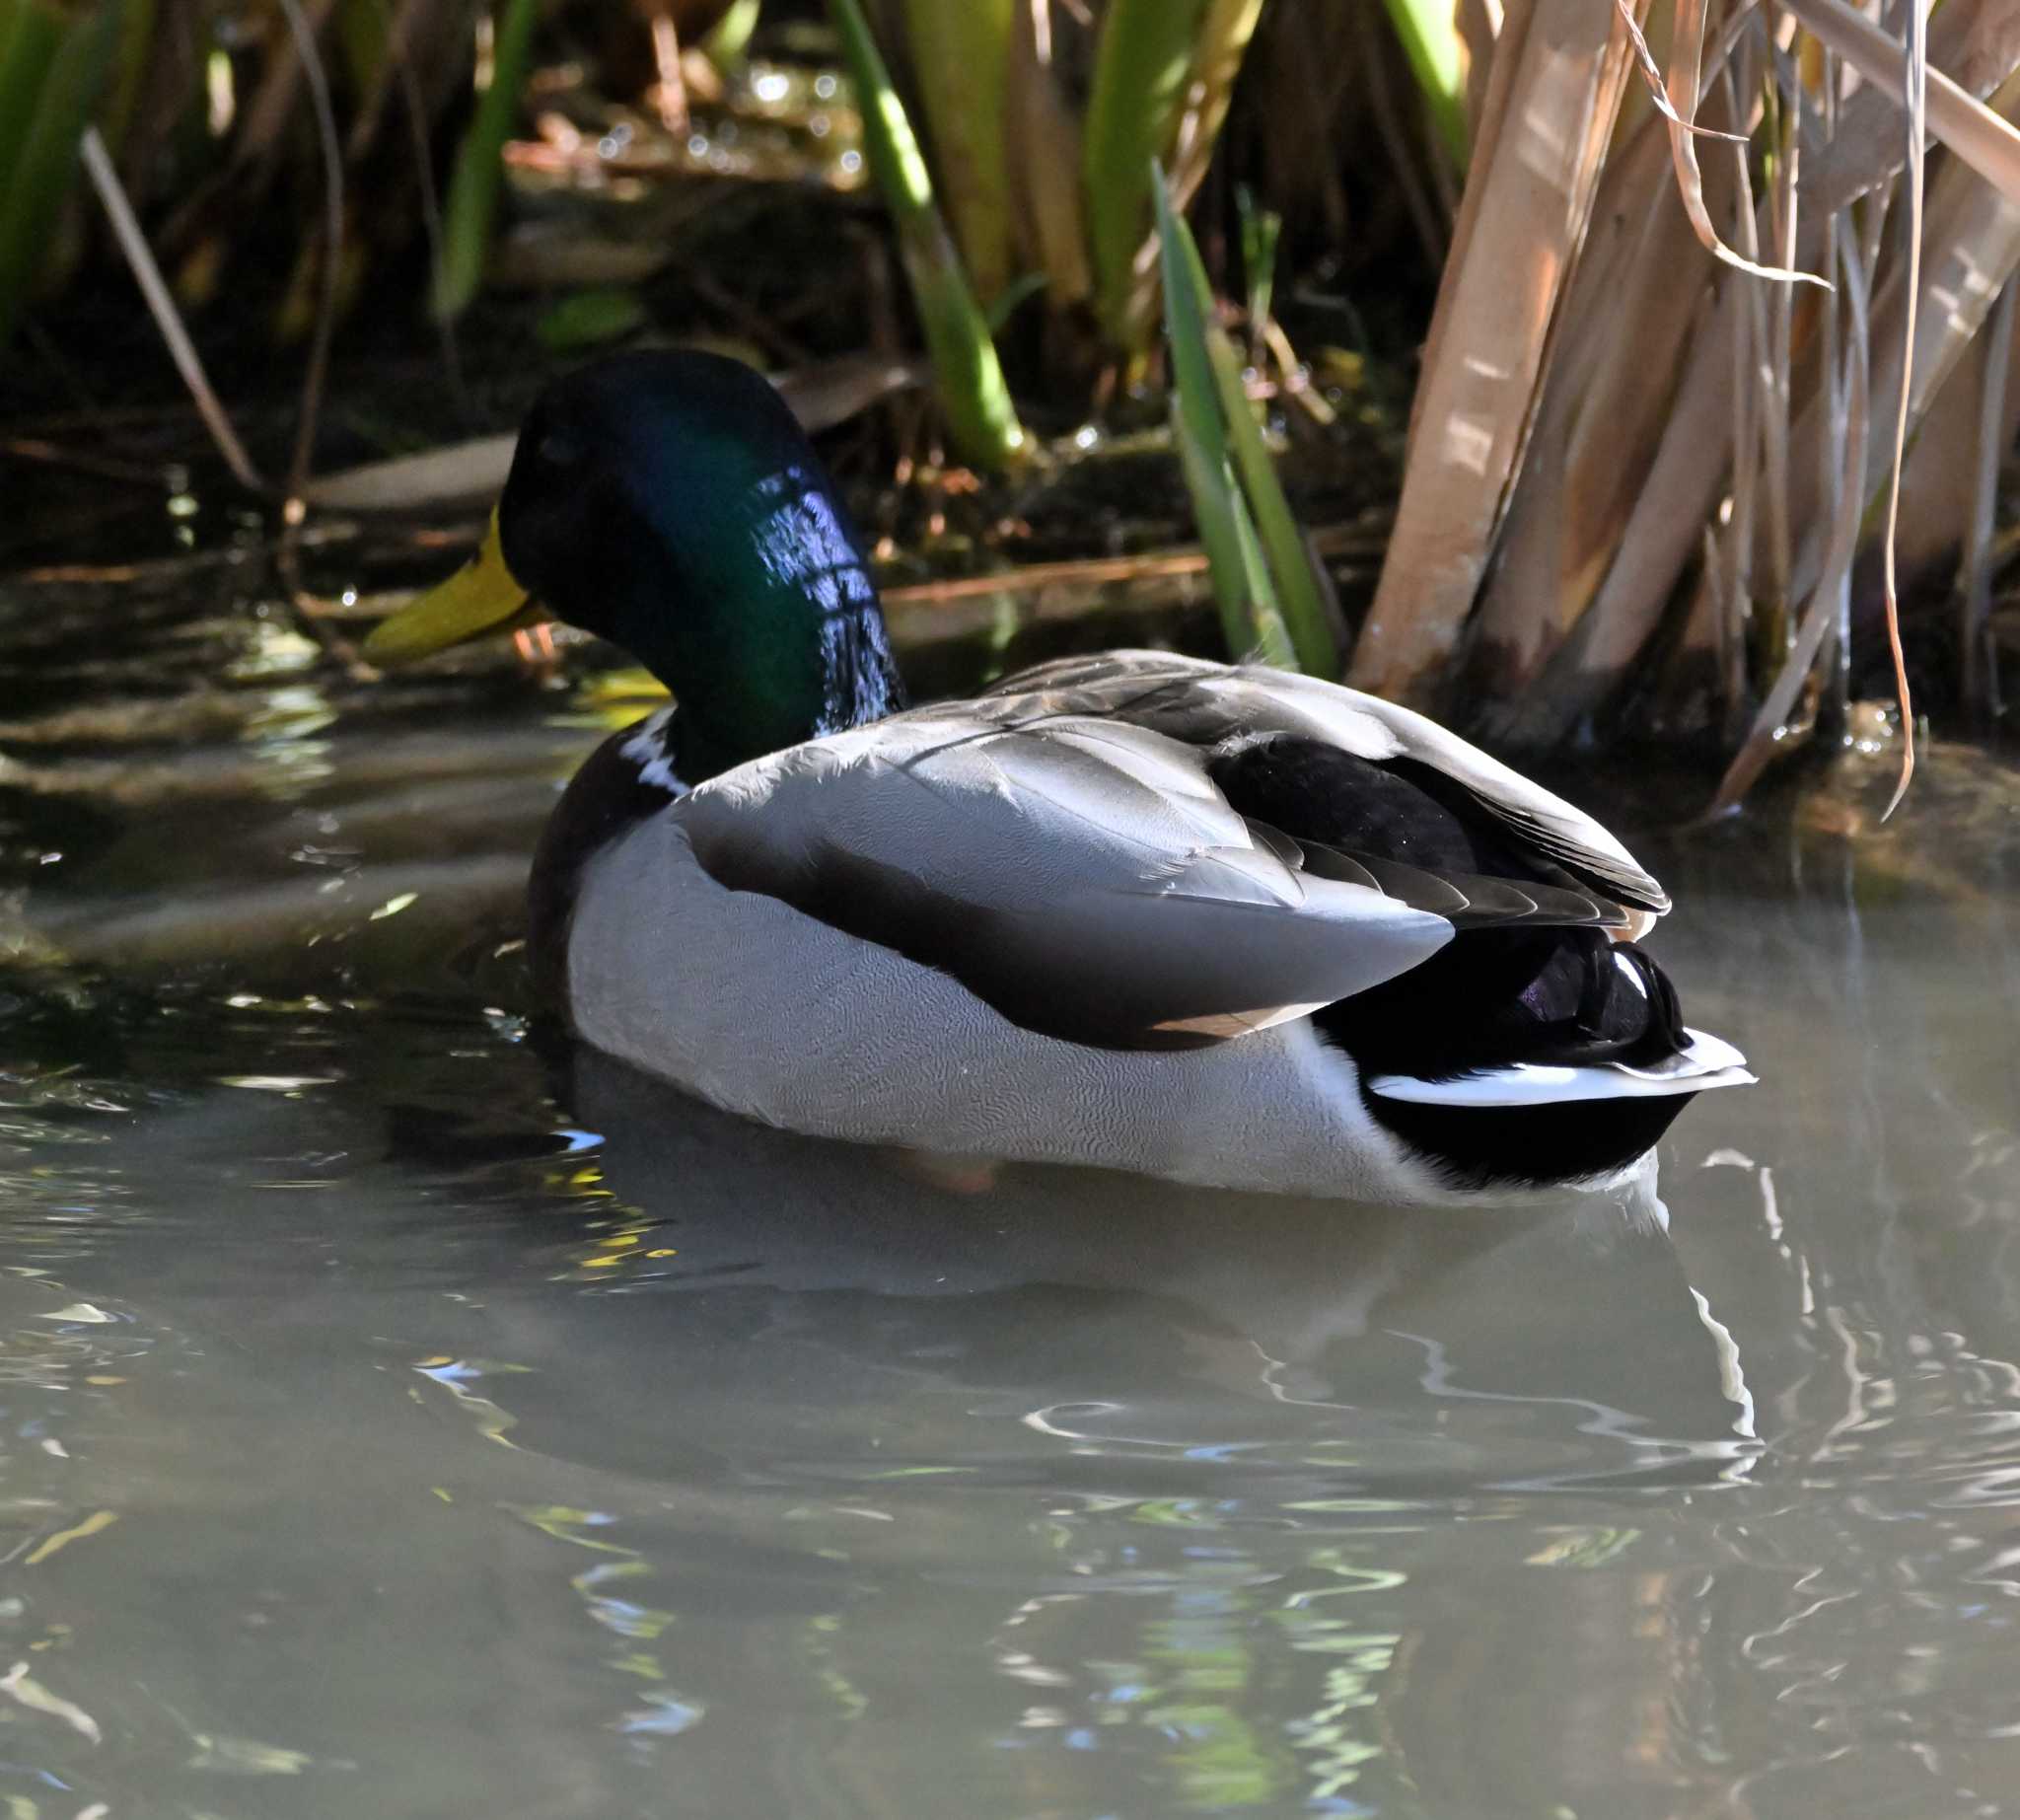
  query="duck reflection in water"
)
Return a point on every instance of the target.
[{"x": 1388, "y": 1323}]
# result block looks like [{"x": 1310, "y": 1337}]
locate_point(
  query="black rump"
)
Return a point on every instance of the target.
[{"x": 1494, "y": 997}]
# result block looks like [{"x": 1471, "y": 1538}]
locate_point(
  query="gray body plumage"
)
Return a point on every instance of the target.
[
  {"x": 768, "y": 1012},
  {"x": 1031, "y": 925}
]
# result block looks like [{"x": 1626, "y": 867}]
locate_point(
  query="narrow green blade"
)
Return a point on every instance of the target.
[
  {"x": 1142, "y": 61},
  {"x": 471, "y": 209},
  {"x": 1290, "y": 565},
  {"x": 981, "y": 420},
  {"x": 1249, "y": 619},
  {"x": 1437, "y": 58},
  {"x": 1222, "y": 437},
  {"x": 30, "y": 34},
  {"x": 38, "y": 144},
  {"x": 960, "y": 65}
]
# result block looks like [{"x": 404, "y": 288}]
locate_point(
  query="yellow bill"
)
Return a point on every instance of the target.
[{"x": 480, "y": 597}]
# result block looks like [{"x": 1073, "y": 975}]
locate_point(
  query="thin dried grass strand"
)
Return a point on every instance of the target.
[
  {"x": 1917, "y": 130},
  {"x": 1751, "y": 401},
  {"x": 160, "y": 305},
  {"x": 416, "y": 110},
  {"x": 1652, "y": 71},
  {"x": 1770, "y": 722},
  {"x": 1990, "y": 145},
  {"x": 1686, "y": 73},
  {"x": 1783, "y": 198},
  {"x": 332, "y": 245}
]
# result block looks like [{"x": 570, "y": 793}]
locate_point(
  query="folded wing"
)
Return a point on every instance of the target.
[
  {"x": 1073, "y": 854},
  {"x": 1211, "y": 704}
]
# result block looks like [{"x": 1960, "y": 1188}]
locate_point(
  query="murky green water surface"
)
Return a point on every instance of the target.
[{"x": 396, "y": 1419}]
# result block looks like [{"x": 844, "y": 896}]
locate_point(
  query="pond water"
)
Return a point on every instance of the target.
[{"x": 401, "y": 1418}]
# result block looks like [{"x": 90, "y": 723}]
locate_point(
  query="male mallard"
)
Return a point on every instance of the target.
[{"x": 1215, "y": 922}]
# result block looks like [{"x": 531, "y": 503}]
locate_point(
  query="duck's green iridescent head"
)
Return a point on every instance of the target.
[{"x": 670, "y": 502}]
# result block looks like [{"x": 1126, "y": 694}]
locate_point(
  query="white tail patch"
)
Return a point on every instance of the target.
[{"x": 1704, "y": 1063}]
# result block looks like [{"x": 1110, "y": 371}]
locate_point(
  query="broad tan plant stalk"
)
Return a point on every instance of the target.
[
  {"x": 1559, "y": 71},
  {"x": 1042, "y": 148}
]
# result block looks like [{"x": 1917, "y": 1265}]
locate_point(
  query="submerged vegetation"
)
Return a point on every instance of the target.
[{"x": 1672, "y": 284}]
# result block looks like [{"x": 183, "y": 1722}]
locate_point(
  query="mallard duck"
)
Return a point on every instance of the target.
[{"x": 1215, "y": 922}]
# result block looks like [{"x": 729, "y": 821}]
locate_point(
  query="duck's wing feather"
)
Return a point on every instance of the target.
[
  {"x": 1083, "y": 877},
  {"x": 1232, "y": 706},
  {"x": 1086, "y": 876}
]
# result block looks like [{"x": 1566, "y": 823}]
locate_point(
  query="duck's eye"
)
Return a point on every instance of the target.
[{"x": 558, "y": 448}]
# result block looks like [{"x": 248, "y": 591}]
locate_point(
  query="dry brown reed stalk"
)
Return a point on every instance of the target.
[
  {"x": 1042, "y": 147},
  {"x": 1656, "y": 471},
  {"x": 1554, "y": 90}
]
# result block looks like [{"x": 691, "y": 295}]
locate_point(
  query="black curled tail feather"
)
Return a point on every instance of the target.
[
  {"x": 1496, "y": 996},
  {"x": 1568, "y": 997}
]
